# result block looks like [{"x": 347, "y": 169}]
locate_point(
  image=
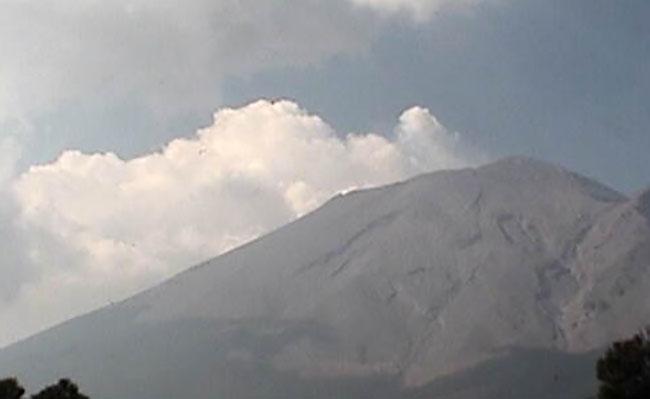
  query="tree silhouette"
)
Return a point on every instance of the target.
[
  {"x": 624, "y": 370},
  {"x": 64, "y": 389},
  {"x": 11, "y": 389}
]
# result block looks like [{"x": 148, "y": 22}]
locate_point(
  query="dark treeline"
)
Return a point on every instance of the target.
[
  {"x": 624, "y": 370},
  {"x": 10, "y": 388}
]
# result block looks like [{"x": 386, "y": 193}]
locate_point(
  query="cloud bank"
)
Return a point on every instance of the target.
[
  {"x": 166, "y": 57},
  {"x": 100, "y": 228},
  {"x": 170, "y": 56}
]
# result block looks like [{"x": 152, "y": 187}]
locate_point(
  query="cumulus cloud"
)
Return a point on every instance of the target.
[
  {"x": 101, "y": 227},
  {"x": 418, "y": 10}
]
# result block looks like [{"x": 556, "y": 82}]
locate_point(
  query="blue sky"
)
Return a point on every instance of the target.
[
  {"x": 563, "y": 81},
  {"x": 108, "y": 128}
]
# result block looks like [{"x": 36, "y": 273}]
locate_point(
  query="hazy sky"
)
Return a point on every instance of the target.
[{"x": 133, "y": 142}]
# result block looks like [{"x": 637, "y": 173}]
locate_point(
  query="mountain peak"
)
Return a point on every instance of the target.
[
  {"x": 521, "y": 167},
  {"x": 545, "y": 175},
  {"x": 525, "y": 162}
]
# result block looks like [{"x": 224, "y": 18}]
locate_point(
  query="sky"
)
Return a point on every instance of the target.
[{"x": 139, "y": 137}]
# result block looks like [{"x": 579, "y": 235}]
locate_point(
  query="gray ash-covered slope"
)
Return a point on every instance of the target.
[{"x": 493, "y": 282}]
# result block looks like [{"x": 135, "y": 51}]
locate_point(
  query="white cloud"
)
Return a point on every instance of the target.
[
  {"x": 418, "y": 10},
  {"x": 101, "y": 228},
  {"x": 169, "y": 56},
  {"x": 426, "y": 143}
]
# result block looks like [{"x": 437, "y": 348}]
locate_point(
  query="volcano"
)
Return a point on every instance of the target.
[{"x": 502, "y": 281}]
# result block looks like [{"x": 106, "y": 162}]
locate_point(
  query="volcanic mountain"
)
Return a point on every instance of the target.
[{"x": 503, "y": 281}]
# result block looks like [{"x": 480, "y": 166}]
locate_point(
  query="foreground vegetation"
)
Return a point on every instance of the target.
[
  {"x": 64, "y": 389},
  {"x": 624, "y": 370}
]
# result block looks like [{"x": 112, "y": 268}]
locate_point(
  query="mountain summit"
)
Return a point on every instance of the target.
[{"x": 456, "y": 284}]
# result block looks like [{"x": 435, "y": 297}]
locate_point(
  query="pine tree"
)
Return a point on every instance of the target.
[
  {"x": 624, "y": 370},
  {"x": 64, "y": 389},
  {"x": 11, "y": 389}
]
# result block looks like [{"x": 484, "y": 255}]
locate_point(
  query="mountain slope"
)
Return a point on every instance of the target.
[{"x": 404, "y": 286}]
